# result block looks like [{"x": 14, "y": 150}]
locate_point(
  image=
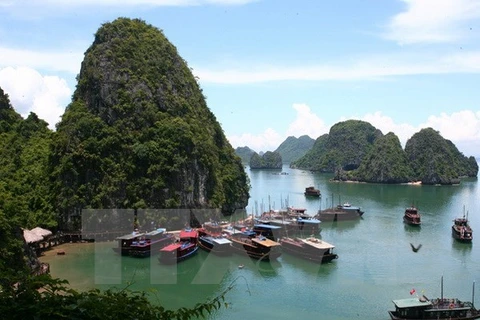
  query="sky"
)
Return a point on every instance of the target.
[{"x": 271, "y": 69}]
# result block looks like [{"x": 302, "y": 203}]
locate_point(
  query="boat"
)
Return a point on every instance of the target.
[
  {"x": 212, "y": 239},
  {"x": 219, "y": 245},
  {"x": 269, "y": 231},
  {"x": 294, "y": 220},
  {"x": 411, "y": 216},
  {"x": 461, "y": 229},
  {"x": 125, "y": 242},
  {"x": 339, "y": 213},
  {"x": 184, "y": 248},
  {"x": 310, "y": 248},
  {"x": 256, "y": 247},
  {"x": 440, "y": 308},
  {"x": 150, "y": 242},
  {"x": 312, "y": 192}
]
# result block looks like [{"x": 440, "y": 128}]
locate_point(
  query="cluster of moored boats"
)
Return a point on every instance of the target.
[
  {"x": 461, "y": 229},
  {"x": 263, "y": 238}
]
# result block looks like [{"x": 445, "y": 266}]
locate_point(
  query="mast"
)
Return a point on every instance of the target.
[
  {"x": 441, "y": 296},
  {"x": 473, "y": 294}
]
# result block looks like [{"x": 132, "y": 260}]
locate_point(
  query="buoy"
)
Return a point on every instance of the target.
[{"x": 240, "y": 266}]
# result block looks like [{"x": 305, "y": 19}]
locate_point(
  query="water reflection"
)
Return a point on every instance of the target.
[{"x": 412, "y": 229}]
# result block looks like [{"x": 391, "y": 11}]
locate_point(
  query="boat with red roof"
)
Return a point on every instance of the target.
[
  {"x": 153, "y": 240},
  {"x": 184, "y": 248}
]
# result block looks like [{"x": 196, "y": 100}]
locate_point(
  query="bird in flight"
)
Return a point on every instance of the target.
[{"x": 415, "y": 249}]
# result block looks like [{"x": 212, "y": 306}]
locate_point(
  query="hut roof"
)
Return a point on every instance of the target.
[
  {"x": 41, "y": 232},
  {"x": 31, "y": 237},
  {"x": 36, "y": 234}
]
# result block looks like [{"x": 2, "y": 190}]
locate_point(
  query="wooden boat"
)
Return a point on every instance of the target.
[
  {"x": 310, "y": 248},
  {"x": 213, "y": 239},
  {"x": 125, "y": 242},
  {"x": 312, "y": 192},
  {"x": 461, "y": 229},
  {"x": 257, "y": 247},
  {"x": 441, "y": 308},
  {"x": 292, "y": 221},
  {"x": 219, "y": 245},
  {"x": 150, "y": 242},
  {"x": 411, "y": 216},
  {"x": 340, "y": 213},
  {"x": 184, "y": 248},
  {"x": 269, "y": 231}
]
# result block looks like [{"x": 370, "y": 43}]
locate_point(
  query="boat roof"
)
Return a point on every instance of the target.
[
  {"x": 317, "y": 243},
  {"x": 155, "y": 232},
  {"x": 220, "y": 240},
  {"x": 188, "y": 233},
  {"x": 171, "y": 247},
  {"x": 411, "y": 303},
  {"x": 130, "y": 236},
  {"x": 309, "y": 220},
  {"x": 267, "y": 226},
  {"x": 265, "y": 242}
]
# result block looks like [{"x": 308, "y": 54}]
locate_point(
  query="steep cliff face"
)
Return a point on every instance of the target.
[{"x": 138, "y": 132}]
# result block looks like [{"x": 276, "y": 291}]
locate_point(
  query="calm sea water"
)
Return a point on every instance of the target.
[{"x": 375, "y": 264}]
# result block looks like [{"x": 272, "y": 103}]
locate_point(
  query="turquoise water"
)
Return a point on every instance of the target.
[{"x": 375, "y": 264}]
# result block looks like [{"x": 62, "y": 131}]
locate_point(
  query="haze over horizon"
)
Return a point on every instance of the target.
[{"x": 273, "y": 68}]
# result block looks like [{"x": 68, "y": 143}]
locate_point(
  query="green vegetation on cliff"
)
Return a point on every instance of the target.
[
  {"x": 269, "y": 160},
  {"x": 436, "y": 160},
  {"x": 294, "y": 148},
  {"x": 344, "y": 147},
  {"x": 386, "y": 162},
  {"x": 138, "y": 132}
]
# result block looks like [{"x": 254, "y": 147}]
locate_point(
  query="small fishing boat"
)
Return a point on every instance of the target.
[
  {"x": 312, "y": 192},
  {"x": 411, "y": 216},
  {"x": 461, "y": 229}
]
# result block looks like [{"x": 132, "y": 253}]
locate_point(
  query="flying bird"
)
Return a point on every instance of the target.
[{"x": 415, "y": 249}]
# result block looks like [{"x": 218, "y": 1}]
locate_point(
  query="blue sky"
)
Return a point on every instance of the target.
[{"x": 274, "y": 68}]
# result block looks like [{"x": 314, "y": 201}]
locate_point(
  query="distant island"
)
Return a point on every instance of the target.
[
  {"x": 355, "y": 150},
  {"x": 269, "y": 160}
]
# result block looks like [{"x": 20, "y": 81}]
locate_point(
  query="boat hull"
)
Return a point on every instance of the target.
[
  {"x": 218, "y": 248},
  {"x": 307, "y": 253},
  {"x": 245, "y": 245},
  {"x": 172, "y": 257}
]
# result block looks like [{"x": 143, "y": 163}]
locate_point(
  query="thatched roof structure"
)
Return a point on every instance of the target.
[{"x": 36, "y": 234}]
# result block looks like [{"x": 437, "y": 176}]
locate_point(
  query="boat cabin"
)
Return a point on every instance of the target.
[{"x": 269, "y": 231}]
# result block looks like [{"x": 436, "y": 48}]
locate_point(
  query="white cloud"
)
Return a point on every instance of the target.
[
  {"x": 369, "y": 68},
  {"x": 29, "y": 91},
  {"x": 269, "y": 140},
  {"x": 432, "y": 21},
  {"x": 306, "y": 123},
  {"x": 53, "y": 60}
]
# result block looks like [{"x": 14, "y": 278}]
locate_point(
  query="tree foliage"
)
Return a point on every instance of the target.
[
  {"x": 41, "y": 297},
  {"x": 344, "y": 147},
  {"x": 139, "y": 133},
  {"x": 436, "y": 160},
  {"x": 386, "y": 162}
]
